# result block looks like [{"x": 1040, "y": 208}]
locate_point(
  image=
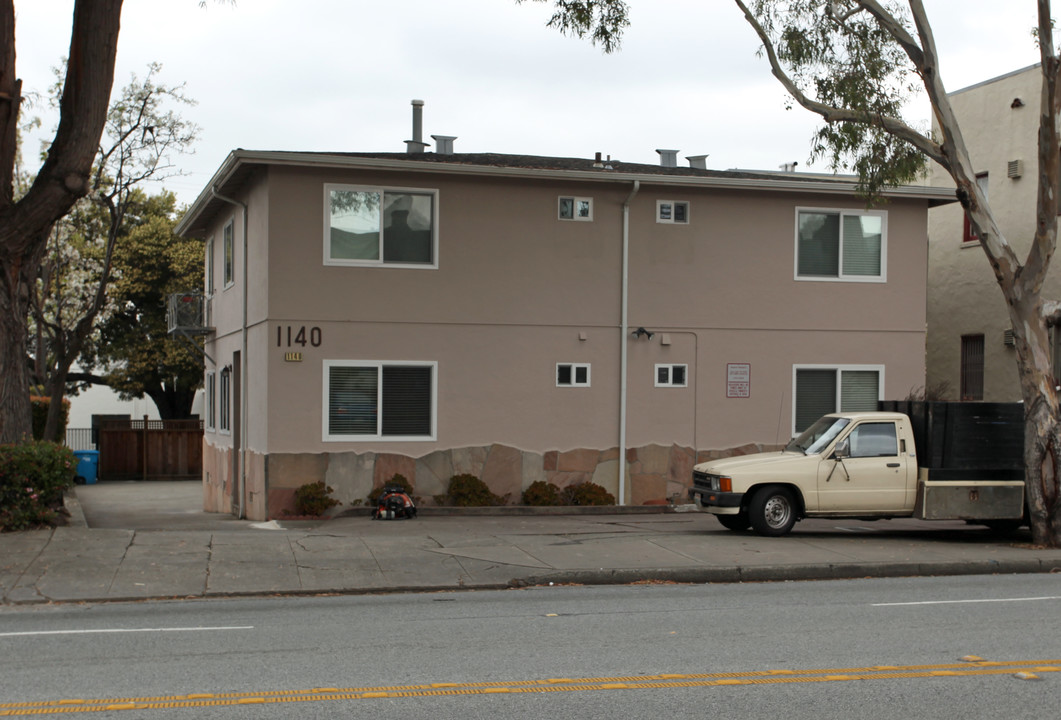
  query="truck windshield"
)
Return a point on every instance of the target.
[{"x": 814, "y": 439}]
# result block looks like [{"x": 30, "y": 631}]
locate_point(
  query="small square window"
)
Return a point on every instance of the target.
[
  {"x": 572, "y": 374},
  {"x": 670, "y": 211},
  {"x": 672, "y": 375},
  {"x": 575, "y": 208}
]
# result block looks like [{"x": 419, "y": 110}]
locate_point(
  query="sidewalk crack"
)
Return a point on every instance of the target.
[
  {"x": 31, "y": 563},
  {"x": 125, "y": 554},
  {"x": 294, "y": 560}
]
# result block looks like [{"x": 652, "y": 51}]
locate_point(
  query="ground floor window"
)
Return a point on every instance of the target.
[
  {"x": 572, "y": 374},
  {"x": 972, "y": 377},
  {"x": 224, "y": 414},
  {"x": 379, "y": 401},
  {"x": 211, "y": 401},
  {"x": 820, "y": 389}
]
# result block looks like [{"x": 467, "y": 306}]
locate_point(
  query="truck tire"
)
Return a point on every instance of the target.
[
  {"x": 737, "y": 523},
  {"x": 772, "y": 510}
]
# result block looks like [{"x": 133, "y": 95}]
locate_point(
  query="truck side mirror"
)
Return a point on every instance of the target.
[{"x": 843, "y": 449}]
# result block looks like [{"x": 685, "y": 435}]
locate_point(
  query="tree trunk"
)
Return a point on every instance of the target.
[{"x": 62, "y": 179}]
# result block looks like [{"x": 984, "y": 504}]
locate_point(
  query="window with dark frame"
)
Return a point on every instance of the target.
[
  {"x": 972, "y": 368},
  {"x": 229, "y": 250},
  {"x": 225, "y": 400}
]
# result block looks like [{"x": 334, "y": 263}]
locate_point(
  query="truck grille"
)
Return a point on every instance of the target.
[{"x": 704, "y": 481}]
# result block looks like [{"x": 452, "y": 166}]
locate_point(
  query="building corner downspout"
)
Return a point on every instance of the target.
[
  {"x": 242, "y": 479},
  {"x": 624, "y": 331}
]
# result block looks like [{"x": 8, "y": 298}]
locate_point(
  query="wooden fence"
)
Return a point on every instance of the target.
[{"x": 150, "y": 449}]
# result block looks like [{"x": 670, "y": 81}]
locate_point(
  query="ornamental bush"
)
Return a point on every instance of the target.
[
  {"x": 586, "y": 493},
  {"x": 466, "y": 490},
  {"x": 33, "y": 476},
  {"x": 314, "y": 499},
  {"x": 541, "y": 493}
]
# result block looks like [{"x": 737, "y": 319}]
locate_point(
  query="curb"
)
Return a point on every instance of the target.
[
  {"x": 73, "y": 506},
  {"x": 528, "y": 510}
]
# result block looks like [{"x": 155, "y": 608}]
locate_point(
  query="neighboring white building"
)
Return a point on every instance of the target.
[{"x": 969, "y": 346}]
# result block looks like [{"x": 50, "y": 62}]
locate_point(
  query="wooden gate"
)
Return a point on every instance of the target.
[{"x": 151, "y": 449}]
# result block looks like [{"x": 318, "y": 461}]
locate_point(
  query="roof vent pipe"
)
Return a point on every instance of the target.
[
  {"x": 444, "y": 144},
  {"x": 417, "y": 144},
  {"x": 697, "y": 161},
  {"x": 668, "y": 158}
]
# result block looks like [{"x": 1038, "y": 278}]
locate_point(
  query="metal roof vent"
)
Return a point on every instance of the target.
[
  {"x": 668, "y": 158},
  {"x": 697, "y": 161},
  {"x": 789, "y": 167},
  {"x": 444, "y": 144},
  {"x": 417, "y": 144},
  {"x": 1014, "y": 169}
]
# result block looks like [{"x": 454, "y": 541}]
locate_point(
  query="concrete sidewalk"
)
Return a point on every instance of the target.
[{"x": 434, "y": 552}]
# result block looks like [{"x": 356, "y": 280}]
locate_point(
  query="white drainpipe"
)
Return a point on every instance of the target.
[
  {"x": 242, "y": 479},
  {"x": 624, "y": 331}
]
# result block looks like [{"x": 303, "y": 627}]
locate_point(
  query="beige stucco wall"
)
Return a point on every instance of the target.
[
  {"x": 963, "y": 297},
  {"x": 516, "y": 291}
]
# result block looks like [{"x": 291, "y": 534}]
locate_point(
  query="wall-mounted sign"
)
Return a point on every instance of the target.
[
  {"x": 293, "y": 357},
  {"x": 738, "y": 380}
]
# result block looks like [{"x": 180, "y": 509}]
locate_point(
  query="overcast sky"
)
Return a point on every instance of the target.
[{"x": 338, "y": 75}]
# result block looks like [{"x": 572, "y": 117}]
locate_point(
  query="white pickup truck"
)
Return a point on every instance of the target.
[{"x": 866, "y": 465}]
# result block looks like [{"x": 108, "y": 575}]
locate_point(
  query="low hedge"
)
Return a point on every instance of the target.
[{"x": 33, "y": 476}]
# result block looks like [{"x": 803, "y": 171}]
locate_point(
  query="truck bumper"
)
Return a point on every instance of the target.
[{"x": 719, "y": 503}]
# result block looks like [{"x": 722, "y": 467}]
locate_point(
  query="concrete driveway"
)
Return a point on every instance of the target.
[{"x": 151, "y": 505}]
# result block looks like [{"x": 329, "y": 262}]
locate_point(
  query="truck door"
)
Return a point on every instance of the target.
[{"x": 872, "y": 478}]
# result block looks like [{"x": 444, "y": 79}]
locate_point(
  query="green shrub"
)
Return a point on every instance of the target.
[
  {"x": 586, "y": 493},
  {"x": 469, "y": 491},
  {"x": 314, "y": 499},
  {"x": 39, "y": 407},
  {"x": 399, "y": 480},
  {"x": 33, "y": 476},
  {"x": 541, "y": 493}
]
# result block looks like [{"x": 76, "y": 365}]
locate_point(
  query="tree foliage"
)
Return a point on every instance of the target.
[
  {"x": 142, "y": 134},
  {"x": 141, "y": 357},
  {"x": 602, "y": 21}
]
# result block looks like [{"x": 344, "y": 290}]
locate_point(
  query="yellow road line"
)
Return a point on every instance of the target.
[{"x": 639, "y": 682}]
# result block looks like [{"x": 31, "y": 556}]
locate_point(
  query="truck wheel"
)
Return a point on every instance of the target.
[
  {"x": 772, "y": 511},
  {"x": 737, "y": 523}
]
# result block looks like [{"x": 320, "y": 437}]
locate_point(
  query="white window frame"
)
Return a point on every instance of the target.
[
  {"x": 673, "y": 206},
  {"x": 210, "y": 400},
  {"x": 670, "y": 375},
  {"x": 840, "y": 369},
  {"x": 575, "y": 217},
  {"x": 381, "y": 262},
  {"x": 224, "y": 400},
  {"x": 228, "y": 247},
  {"x": 841, "y": 277},
  {"x": 574, "y": 379},
  {"x": 208, "y": 270},
  {"x": 378, "y": 436}
]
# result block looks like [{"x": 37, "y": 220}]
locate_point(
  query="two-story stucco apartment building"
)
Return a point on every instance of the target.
[
  {"x": 534, "y": 318},
  {"x": 969, "y": 346}
]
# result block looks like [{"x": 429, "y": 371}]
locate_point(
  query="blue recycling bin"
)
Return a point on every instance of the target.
[{"x": 87, "y": 466}]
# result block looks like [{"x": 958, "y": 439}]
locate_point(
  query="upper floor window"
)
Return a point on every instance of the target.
[
  {"x": 841, "y": 245},
  {"x": 380, "y": 226},
  {"x": 228, "y": 245},
  {"x": 968, "y": 234},
  {"x": 669, "y": 211},
  {"x": 575, "y": 208},
  {"x": 208, "y": 271}
]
